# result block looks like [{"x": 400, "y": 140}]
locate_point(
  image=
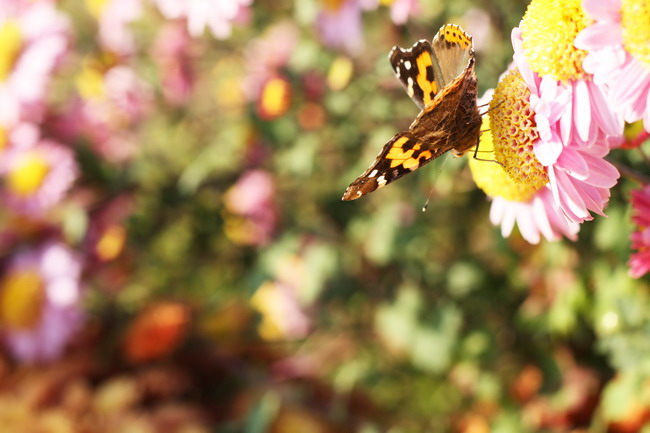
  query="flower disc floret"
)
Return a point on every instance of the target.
[
  {"x": 549, "y": 29},
  {"x": 515, "y": 131}
]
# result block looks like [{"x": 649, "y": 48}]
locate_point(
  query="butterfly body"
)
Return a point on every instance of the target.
[{"x": 440, "y": 78}]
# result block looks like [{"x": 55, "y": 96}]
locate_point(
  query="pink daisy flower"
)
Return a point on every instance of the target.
[
  {"x": 571, "y": 148},
  {"x": 640, "y": 260},
  {"x": 37, "y": 175},
  {"x": 40, "y": 302},
  {"x": 33, "y": 37},
  {"x": 618, "y": 54},
  {"x": 532, "y": 209},
  {"x": 544, "y": 44},
  {"x": 217, "y": 16}
]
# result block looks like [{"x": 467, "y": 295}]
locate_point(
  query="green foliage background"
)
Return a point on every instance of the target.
[{"x": 419, "y": 322}]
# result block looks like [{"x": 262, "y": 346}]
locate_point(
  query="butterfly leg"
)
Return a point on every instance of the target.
[{"x": 478, "y": 141}]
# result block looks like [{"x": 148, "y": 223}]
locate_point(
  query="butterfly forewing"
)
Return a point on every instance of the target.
[{"x": 414, "y": 68}]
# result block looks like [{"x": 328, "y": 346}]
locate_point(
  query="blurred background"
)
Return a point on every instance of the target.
[{"x": 176, "y": 256}]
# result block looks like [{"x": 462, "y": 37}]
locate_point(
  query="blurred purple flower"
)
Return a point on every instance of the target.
[
  {"x": 253, "y": 214},
  {"x": 113, "y": 17},
  {"x": 218, "y": 16},
  {"x": 37, "y": 175},
  {"x": 33, "y": 37},
  {"x": 40, "y": 302},
  {"x": 640, "y": 260}
]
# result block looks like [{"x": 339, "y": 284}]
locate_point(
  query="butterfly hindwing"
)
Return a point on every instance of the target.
[
  {"x": 403, "y": 154},
  {"x": 414, "y": 67},
  {"x": 453, "y": 50}
]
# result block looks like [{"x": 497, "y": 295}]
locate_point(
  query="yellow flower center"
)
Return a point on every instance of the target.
[
  {"x": 491, "y": 177},
  {"x": 549, "y": 28},
  {"x": 21, "y": 299},
  {"x": 11, "y": 41},
  {"x": 635, "y": 18},
  {"x": 27, "y": 176},
  {"x": 514, "y": 132}
]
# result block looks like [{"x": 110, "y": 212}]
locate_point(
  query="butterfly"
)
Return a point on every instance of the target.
[{"x": 439, "y": 76}]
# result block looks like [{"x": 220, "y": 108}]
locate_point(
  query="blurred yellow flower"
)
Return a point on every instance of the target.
[
  {"x": 21, "y": 299},
  {"x": 28, "y": 174},
  {"x": 10, "y": 43}
]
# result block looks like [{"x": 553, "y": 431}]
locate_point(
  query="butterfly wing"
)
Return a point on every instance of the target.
[
  {"x": 403, "y": 154},
  {"x": 414, "y": 68},
  {"x": 453, "y": 51}
]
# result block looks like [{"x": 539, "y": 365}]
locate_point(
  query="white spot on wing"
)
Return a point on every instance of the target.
[
  {"x": 373, "y": 173},
  {"x": 409, "y": 89},
  {"x": 407, "y": 64},
  {"x": 381, "y": 181}
]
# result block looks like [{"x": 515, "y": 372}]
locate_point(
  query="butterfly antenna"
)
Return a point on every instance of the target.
[{"x": 444, "y": 161}]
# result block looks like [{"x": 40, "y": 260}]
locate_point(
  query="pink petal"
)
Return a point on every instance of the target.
[
  {"x": 572, "y": 162},
  {"x": 610, "y": 123},
  {"x": 582, "y": 109},
  {"x": 570, "y": 198},
  {"x": 566, "y": 121},
  {"x": 601, "y": 173},
  {"x": 630, "y": 81},
  {"x": 547, "y": 152},
  {"x": 599, "y": 35},
  {"x": 605, "y": 10},
  {"x": 507, "y": 223},
  {"x": 527, "y": 226}
]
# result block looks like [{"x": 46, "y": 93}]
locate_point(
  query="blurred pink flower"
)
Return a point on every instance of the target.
[
  {"x": 618, "y": 56},
  {"x": 640, "y": 260},
  {"x": 33, "y": 37},
  {"x": 218, "y": 16},
  {"x": 172, "y": 54},
  {"x": 401, "y": 10},
  {"x": 253, "y": 212},
  {"x": 114, "y": 17},
  {"x": 572, "y": 140},
  {"x": 266, "y": 55},
  {"x": 539, "y": 215},
  {"x": 339, "y": 25},
  {"x": 37, "y": 175},
  {"x": 40, "y": 302},
  {"x": 112, "y": 104}
]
